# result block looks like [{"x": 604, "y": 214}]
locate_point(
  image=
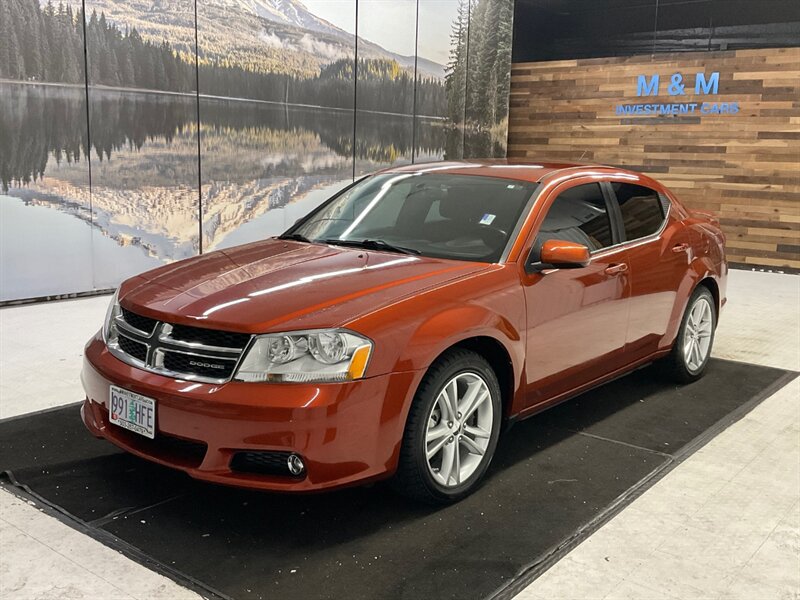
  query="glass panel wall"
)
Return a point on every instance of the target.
[
  {"x": 276, "y": 114},
  {"x": 387, "y": 32},
  {"x": 441, "y": 79},
  {"x": 488, "y": 77},
  {"x": 143, "y": 133},
  {"x": 239, "y": 138},
  {"x": 45, "y": 207}
]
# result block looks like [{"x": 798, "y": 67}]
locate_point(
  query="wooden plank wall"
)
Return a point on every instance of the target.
[{"x": 745, "y": 167}]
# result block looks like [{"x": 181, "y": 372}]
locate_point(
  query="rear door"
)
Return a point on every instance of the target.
[
  {"x": 658, "y": 252},
  {"x": 577, "y": 317}
]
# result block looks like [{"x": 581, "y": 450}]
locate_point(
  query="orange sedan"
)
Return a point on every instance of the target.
[{"x": 394, "y": 330}]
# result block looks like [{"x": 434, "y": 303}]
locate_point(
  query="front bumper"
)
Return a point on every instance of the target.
[{"x": 345, "y": 432}]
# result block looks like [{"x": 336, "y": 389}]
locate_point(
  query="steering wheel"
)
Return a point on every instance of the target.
[{"x": 493, "y": 237}]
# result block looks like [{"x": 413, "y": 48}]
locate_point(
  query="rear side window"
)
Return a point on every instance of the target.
[
  {"x": 578, "y": 215},
  {"x": 641, "y": 208}
]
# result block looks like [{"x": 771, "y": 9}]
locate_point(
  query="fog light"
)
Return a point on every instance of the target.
[{"x": 295, "y": 464}]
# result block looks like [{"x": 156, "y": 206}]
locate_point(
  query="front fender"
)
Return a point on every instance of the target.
[
  {"x": 454, "y": 326},
  {"x": 411, "y": 334},
  {"x": 446, "y": 329}
]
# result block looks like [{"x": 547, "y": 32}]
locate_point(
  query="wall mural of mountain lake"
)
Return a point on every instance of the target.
[{"x": 174, "y": 152}]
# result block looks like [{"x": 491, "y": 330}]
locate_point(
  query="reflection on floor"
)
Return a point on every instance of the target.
[{"x": 723, "y": 523}]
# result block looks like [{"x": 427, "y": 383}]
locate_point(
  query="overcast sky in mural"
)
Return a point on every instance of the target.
[{"x": 438, "y": 15}]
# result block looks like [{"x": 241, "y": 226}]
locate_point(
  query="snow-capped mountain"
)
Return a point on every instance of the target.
[
  {"x": 288, "y": 12},
  {"x": 265, "y": 35}
]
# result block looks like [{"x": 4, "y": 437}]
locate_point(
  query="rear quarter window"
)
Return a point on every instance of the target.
[{"x": 642, "y": 210}]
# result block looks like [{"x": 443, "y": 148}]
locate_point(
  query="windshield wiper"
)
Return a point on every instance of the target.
[
  {"x": 372, "y": 245},
  {"x": 297, "y": 237}
]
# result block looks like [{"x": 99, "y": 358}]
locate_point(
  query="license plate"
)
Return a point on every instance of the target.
[{"x": 132, "y": 411}]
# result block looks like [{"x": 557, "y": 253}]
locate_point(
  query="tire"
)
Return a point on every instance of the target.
[
  {"x": 681, "y": 365},
  {"x": 434, "y": 480}
]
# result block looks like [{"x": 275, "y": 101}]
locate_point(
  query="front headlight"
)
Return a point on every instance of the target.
[
  {"x": 109, "y": 325},
  {"x": 322, "y": 355}
]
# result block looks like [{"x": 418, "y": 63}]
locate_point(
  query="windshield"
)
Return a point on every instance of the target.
[{"x": 464, "y": 217}]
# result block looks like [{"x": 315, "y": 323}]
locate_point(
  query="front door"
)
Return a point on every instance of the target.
[{"x": 577, "y": 317}]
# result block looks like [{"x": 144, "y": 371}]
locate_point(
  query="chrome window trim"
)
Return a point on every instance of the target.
[
  {"x": 637, "y": 241},
  {"x": 592, "y": 253},
  {"x": 627, "y": 244}
]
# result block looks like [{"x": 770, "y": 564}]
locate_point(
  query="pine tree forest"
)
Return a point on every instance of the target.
[
  {"x": 46, "y": 44},
  {"x": 478, "y": 76}
]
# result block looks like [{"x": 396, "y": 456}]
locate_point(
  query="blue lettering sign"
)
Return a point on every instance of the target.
[
  {"x": 701, "y": 86},
  {"x": 645, "y": 88},
  {"x": 649, "y": 86},
  {"x": 676, "y": 85}
]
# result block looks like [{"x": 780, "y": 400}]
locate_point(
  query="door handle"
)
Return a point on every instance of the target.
[
  {"x": 616, "y": 268},
  {"x": 678, "y": 248}
]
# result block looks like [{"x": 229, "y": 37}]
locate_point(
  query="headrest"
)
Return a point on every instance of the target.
[{"x": 461, "y": 204}]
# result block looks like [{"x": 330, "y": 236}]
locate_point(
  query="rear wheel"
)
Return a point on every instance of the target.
[
  {"x": 452, "y": 429},
  {"x": 692, "y": 349}
]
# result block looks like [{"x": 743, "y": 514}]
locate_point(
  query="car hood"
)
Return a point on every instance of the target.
[{"x": 276, "y": 284}]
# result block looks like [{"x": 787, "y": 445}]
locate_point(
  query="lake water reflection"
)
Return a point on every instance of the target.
[{"x": 263, "y": 166}]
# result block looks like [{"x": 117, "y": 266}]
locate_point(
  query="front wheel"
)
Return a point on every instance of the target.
[
  {"x": 452, "y": 429},
  {"x": 692, "y": 349}
]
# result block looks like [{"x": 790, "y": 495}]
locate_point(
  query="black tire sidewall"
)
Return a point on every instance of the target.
[{"x": 466, "y": 362}]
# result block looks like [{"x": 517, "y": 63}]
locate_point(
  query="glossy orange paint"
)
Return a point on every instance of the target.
[
  {"x": 562, "y": 253},
  {"x": 551, "y": 333}
]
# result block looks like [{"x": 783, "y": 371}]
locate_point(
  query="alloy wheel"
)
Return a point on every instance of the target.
[
  {"x": 459, "y": 429},
  {"x": 697, "y": 334}
]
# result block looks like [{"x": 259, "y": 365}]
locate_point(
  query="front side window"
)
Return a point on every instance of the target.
[
  {"x": 465, "y": 217},
  {"x": 579, "y": 214},
  {"x": 641, "y": 208}
]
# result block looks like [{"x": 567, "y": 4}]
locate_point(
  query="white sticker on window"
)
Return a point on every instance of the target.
[{"x": 487, "y": 219}]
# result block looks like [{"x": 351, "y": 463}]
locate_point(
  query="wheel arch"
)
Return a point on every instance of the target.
[
  {"x": 700, "y": 272},
  {"x": 712, "y": 286},
  {"x": 498, "y": 357},
  {"x": 409, "y": 478}
]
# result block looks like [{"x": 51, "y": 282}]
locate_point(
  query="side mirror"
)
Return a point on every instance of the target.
[{"x": 561, "y": 254}]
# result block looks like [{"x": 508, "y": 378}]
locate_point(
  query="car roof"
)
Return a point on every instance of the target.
[{"x": 522, "y": 170}]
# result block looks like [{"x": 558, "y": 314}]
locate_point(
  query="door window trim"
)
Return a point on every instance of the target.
[
  {"x": 663, "y": 202},
  {"x": 610, "y": 202}
]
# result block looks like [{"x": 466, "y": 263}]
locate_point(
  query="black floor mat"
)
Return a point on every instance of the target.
[{"x": 552, "y": 477}]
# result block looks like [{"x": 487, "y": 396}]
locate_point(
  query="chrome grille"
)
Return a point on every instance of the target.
[
  {"x": 143, "y": 324},
  {"x": 180, "y": 362},
  {"x": 210, "y": 337},
  {"x": 135, "y": 349},
  {"x": 180, "y": 351}
]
